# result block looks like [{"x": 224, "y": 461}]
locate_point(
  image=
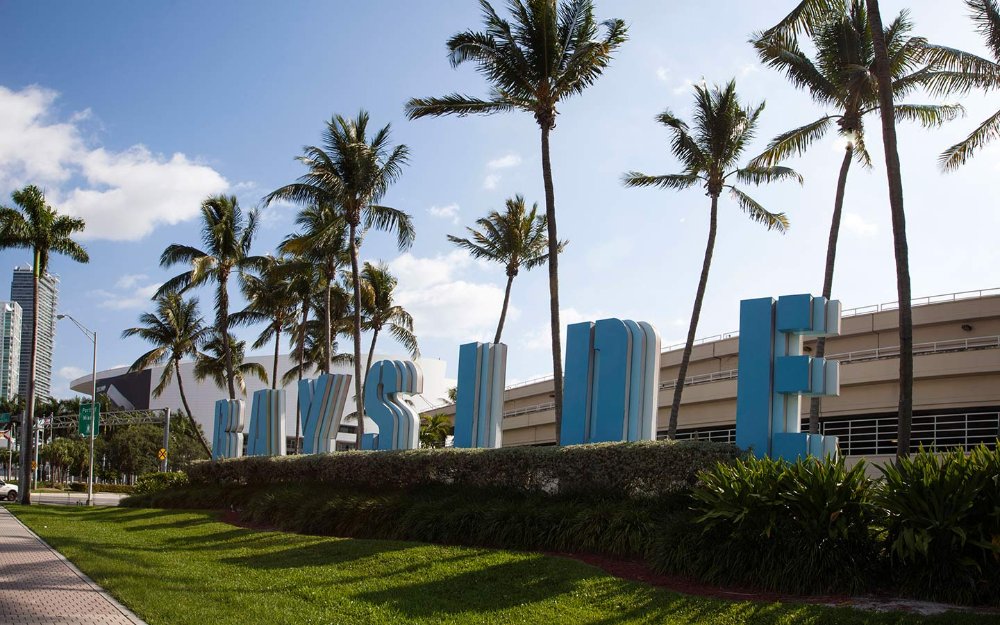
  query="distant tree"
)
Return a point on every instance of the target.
[
  {"x": 36, "y": 226},
  {"x": 710, "y": 154},
  {"x": 379, "y": 311},
  {"x": 271, "y": 300},
  {"x": 515, "y": 238},
  {"x": 435, "y": 430},
  {"x": 549, "y": 51}
]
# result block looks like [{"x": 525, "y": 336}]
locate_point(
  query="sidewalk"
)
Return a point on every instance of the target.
[{"x": 38, "y": 586}]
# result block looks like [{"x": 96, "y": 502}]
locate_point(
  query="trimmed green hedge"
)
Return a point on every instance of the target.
[
  {"x": 152, "y": 482},
  {"x": 635, "y": 469},
  {"x": 81, "y": 487}
]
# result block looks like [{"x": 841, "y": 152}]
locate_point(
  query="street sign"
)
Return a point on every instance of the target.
[
  {"x": 4, "y": 418},
  {"x": 162, "y": 454},
  {"x": 85, "y": 419},
  {"x": 34, "y": 465}
]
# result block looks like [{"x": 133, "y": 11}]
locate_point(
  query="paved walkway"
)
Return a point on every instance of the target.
[{"x": 38, "y": 586}]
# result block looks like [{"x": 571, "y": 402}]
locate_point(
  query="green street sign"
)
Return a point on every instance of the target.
[
  {"x": 86, "y": 418},
  {"x": 4, "y": 418}
]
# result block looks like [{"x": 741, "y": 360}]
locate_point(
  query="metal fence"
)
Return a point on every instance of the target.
[{"x": 869, "y": 436}]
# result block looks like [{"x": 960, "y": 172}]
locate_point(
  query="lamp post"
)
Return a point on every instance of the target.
[{"x": 92, "y": 335}]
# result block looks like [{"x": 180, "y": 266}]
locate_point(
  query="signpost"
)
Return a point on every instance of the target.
[{"x": 86, "y": 418}]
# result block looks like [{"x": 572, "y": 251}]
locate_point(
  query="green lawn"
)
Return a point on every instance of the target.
[{"x": 177, "y": 568}]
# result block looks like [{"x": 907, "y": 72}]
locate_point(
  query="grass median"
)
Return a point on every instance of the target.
[{"x": 180, "y": 568}]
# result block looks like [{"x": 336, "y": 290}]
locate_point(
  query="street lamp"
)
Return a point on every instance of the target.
[{"x": 92, "y": 335}]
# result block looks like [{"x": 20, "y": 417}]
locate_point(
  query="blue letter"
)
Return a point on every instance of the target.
[
  {"x": 398, "y": 424},
  {"x": 321, "y": 404},
  {"x": 482, "y": 371},
  {"x": 267, "y": 424},
  {"x": 227, "y": 441}
]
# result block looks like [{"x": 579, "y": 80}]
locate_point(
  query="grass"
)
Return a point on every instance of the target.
[{"x": 179, "y": 568}]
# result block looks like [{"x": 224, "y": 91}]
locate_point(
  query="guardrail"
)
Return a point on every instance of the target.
[{"x": 873, "y": 436}]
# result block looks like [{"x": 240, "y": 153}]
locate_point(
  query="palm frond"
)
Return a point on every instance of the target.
[
  {"x": 668, "y": 181},
  {"x": 929, "y": 115},
  {"x": 792, "y": 143},
  {"x": 757, "y": 175},
  {"x": 759, "y": 214},
  {"x": 960, "y": 153},
  {"x": 455, "y": 104}
]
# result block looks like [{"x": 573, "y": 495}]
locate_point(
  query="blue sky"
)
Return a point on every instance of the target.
[{"x": 130, "y": 113}]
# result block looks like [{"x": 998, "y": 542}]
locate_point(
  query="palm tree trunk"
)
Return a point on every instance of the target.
[
  {"x": 893, "y": 172},
  {"x": 302, "y": 348},
  {"x": 359, "y": 399},
  {"x": 28, "y": 419},
  {"x": 197, "y": 432},
  {"x": 326, "y": 327},
  {"x": 554, "y": 326},
  {"x": 503, "y": 311},
  {"x": 675, "y": 407},
  {"x": 224, "y": 332},
  {"x": 371, "y": 354},
  {"x": 277, "y": 348},
  {"x": 831, "y": 259}
]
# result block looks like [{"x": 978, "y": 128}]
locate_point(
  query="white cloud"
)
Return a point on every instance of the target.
[
  {"x": 449, "y": 211},
  {"x": 71, "y": 373},
  {"x": 858, "y": 226},
  {"x": 505, "y": 162},
  {"x": 122, "y": 195},
  {"x": 491, "y": 181},
  {"x": 749, "y": 68},
  {"x": 663, "y": 73},
  {"x": 442, "y": 302},
  {"x": 132, "y": 291},
  {"x": 541, "y": 338}
]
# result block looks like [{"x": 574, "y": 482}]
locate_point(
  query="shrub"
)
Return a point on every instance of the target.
[
  {"x": 943, "y": 524},
  {"x": 81, "y": 487},
  {"x": 151, "y": 482},
  {"x": 635, "y": 469},
  {"x": 802, "y": 527}
]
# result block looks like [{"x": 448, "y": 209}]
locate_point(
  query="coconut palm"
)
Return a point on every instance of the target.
[
  {"x": 212, "y": 364},
  {"x": 548, "y": 52},
  {"x": 379, "y": 311},
  {"x": 36, "y": 226},
  {"x": 515, "y": 238},
  {"x": 842, "y": 77},
  {"x": 435, "y": 430},
  {"x": 351, "y": 174},
  {"x": 227, "y": 233},
  {"x": 710, "y": 154},
  {"x": 177, "y": 331},
  {"x": 323, "y": 241}
]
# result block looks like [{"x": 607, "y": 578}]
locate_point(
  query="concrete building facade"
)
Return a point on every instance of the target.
[
  {"x": 956, "y": 389},
  {"x": 10, "y": 348},
  {"x": 22, "y": 292}
]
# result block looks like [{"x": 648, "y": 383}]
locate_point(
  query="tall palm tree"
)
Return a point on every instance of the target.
[
  {"x": 36, "y": 226},
  {"x": 435, "y": 430},
  {"x": 351, "y": 174},
  {"x": 379, "y": 310},
  {"x": 515, "y": 238},
  {"x": 227, "y": 234},
  {"x": 842, "y": 77},
  {"x": 270, "y": 300},
  {"x": 710, "y": 154},
  {"x": 968, "y": 71},
  {"x": 177, "y": 331},
  {"x": 323, "y": 241},
  {"x": 211, "y": 364},
  {"x": 549, "y": 51}
]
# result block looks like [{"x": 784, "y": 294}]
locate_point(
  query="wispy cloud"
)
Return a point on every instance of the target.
[
  {"x": 505, "y": 162},
  {"x": 859, "y": 226},
  {"x": 131, "y": 291},
  {"x": 449, "y": 211}
]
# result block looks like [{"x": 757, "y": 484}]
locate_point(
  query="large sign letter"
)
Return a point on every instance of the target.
[
  {"x": 612, "y": 382},
  {"x": 774, "y": 374},
  {"x": 398, "y": 424},
  {"x": 227, "y": 440},
  {"x": 267, "y": 424},
  {"x": 482, "y": 371},
  {"x": 321, "y": 404}
]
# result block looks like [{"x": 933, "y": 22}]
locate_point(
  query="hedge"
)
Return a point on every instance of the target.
[
  {"x": 81, "y": 487},
  {"x": 649, "y": 468},
  {"x": 152, "y": 482}
]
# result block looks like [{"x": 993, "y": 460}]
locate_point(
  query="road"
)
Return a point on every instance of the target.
[{"x": 77, "y": 499}]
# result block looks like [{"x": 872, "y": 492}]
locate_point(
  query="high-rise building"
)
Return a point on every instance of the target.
[
  {"x": 21, "y": 291},
  {"x": 10, "y": 348}
]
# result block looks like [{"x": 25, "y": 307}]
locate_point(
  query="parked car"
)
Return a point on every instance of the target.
[{"x": 8, "y": 491}]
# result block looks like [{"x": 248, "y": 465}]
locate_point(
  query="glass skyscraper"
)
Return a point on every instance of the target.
[
  {"x": 10, "y": 348},
  {"x": 48, "y": 295}
]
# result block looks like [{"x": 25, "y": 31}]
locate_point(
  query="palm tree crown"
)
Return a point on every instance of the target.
[
  {"x": 379, "y": 309},
  {"x": 515, "y": 238},
  {"x": 227, "y": 234},
  {"x": 211, "y": 365}
]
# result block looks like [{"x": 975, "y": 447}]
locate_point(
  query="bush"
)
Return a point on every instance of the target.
[
  {"x": 152, "y": 482},
  {"x": 802, "y": 527},
  {"x": 635, "y": 469},
  {"x": 81, "y": 487},
  {"x": 943, "y": 524}
]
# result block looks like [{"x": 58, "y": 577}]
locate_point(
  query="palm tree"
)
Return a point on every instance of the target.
[
  {"x": 211, "y": 364},
  {"x": 351, "y": 174},
  {"x": 842, "y": 77},
  {"x": 227, "y": 234},
  {"x": 323, "y": 242},
  {"x": 435, "y": 430},
  {"x": 177, "y": 331},
  {"x": 710, "y": 156},
  {"x": 271, "y": 300},
  {"x": 550, "y": 51},
  {"x": 379, "y": 311},
  {"x": 36, "y": 226},
  {"x": 973, "y": 71},
  {"x": 515, "y": 238}
]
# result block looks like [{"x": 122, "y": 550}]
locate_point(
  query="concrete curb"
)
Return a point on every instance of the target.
[{"x": 83, "y": 576}]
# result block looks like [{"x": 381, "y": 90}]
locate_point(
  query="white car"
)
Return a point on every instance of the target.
[{"x": 8, "y": 491}]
